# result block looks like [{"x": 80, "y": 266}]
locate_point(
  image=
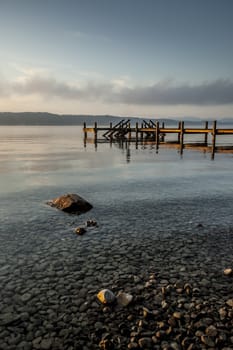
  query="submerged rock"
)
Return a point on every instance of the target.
[
  {"x": 80, "y": 230},
  {"x": 91, "y": 223},
  {"x": 71, "y": 203}
]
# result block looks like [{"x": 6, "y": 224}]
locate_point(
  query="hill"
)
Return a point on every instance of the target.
[{"x": 44, "y": 118}]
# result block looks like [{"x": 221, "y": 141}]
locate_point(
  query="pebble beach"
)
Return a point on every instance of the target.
[{"x": 181, "y": 297}]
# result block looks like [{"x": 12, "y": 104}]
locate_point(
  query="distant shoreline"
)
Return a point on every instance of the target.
[{"x": 46, "y": 119}]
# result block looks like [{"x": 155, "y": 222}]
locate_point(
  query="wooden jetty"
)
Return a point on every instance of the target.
[{"x": 152, "y": 130}]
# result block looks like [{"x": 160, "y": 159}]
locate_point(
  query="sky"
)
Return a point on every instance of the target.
[{"x": 155, "y": 58}]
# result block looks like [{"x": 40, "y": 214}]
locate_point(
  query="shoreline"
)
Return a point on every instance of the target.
[{"x": 49, "y": 295}]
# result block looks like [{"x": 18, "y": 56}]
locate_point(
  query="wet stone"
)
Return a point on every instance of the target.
[
  {"x": 222, "y": 313},
  {"x": 106, "y": 296},
  {"x": 211, "y": 331},
  {"x": 207, "y": 341},
  {"x": 174, "y": 346},
  {"x": 24, "y": 345},
  {"x": 133, "y": 345},
  {"x": 145, "y": 343},
  {"x": 91, "y": 223},
  {"x": 177, "y": 315},
  {"x": 26, "y": 297},
  {"x": 228, "y": 272},
  {"x": 84, "y": 307},
  {"x": 46, "y": 344},
  {"x": 80, "y": 231},
  {"x": 106, "y": 344},
  {"x": 71, "y": 203},
  {"x": 36, "y": 342},
  {"x": 8, "y": 318},
  {"x": 124, "y": 299},
  {"x": 24, "y": 316},
  {"x": 229, "y": 302}
]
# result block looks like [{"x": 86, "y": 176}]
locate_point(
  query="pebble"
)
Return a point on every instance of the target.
[
  {"x": 105, "y": 344},
  {"x": 26, "y": 297},
  {"x": 132, "y": 345},
  {"x": 106, "y": 296},
  {"x": 24, "y": 345},
  {"x": 207, "y": 341},
  {"x": 145, "y": 343},
  {"x": 91, "y": 223},
  {"x": 46, "y": 344},
  {"x": 36, "y": 342},
  {"x": 8, "y": 318},
  {"x": 177, "y": 315},
  {"x": 228, "y": 272},
  {"x": 174, "y": 346},
  {"x": 211, "y": 331},
  {"x": 229, "y": 302},
  {"x": 124, "y": 299},
  {"x": 80, "y": 231},
  {"x": 223, "y": 313}
]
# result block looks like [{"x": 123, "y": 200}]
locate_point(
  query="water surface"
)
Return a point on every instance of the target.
[{"x": 125, "y": 185}]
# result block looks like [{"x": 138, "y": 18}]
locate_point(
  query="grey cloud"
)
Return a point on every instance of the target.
[
  {"x": 50, "y": 87},
  {"x": 219, "y": 92},
  {"x": 210, "y": 93}
]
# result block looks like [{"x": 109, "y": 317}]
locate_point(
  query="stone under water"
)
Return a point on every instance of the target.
[{"x": 71, "y": 203}]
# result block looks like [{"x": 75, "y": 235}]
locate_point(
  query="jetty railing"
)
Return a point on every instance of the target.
[{"x": 150, "y": 130}]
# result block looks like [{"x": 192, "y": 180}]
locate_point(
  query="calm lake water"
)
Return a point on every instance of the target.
[
  {"x": 130, "y": 189},
  {"x": 149, "y": 207}
]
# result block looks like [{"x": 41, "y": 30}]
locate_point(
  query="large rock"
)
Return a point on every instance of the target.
[{"x": 71, "y": 203}]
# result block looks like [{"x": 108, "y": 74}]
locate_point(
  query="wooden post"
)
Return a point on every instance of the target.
[
  {"x": 213, "y": 138},
  {"x": 95, "y": 129},
  {"x": 162, "y": 136},
  {"x": 111, "y": 138},
  {"x": 128, "y": 152},
  {"x": 95, "y": 134},
  {"x": 111, "y": 135},
  {"x": 129, "y": 127},
  {"x": 179, "y": 127},
  {"x": 136, "y": 130},
  {"x": 181, "y": 137},
  {"x": 157, "y": 135},
  {"x": 206, "y": 135},
  {"x": 141, "y": 131},
  {"x": 84, "y": 129}
]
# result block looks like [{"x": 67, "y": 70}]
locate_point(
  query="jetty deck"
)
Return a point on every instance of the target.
[{"x": 156, "y": 132}]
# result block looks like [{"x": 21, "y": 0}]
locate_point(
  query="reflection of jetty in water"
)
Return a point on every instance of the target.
[{"x": 151, "y": 134}]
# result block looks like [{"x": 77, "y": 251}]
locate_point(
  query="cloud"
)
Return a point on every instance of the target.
[
  {"x": 165, "y": 93},
  {"x": 49, "y": 87},
  {"x": 118, "y": 91}
]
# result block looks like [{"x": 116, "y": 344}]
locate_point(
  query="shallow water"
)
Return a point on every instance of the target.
[
  {"x": 148, "y": 205},
  {"x": 126, "y": 186},
  {"x": 133, "y": 191}
]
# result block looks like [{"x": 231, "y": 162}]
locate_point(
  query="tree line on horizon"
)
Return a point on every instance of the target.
[{"x": 44, "y": 118}]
